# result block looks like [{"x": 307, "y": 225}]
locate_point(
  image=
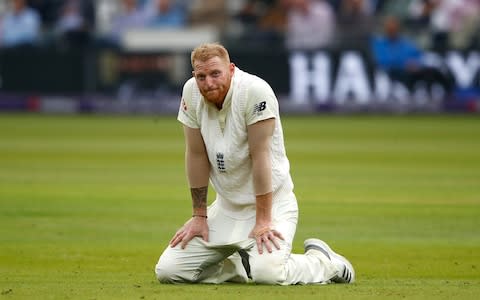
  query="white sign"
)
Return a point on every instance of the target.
[{"x": 313, "y": 78}]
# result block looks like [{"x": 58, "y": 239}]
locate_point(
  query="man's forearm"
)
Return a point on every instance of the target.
[
  {"x": 259, "y": 141},
  {"x": 263, "y": 187},
  {"x": 198, "y": 169},
  {"x": 264, "y": 208},
  {"x": 197, "y": 173},
  {"x": 199, "y": 200}
]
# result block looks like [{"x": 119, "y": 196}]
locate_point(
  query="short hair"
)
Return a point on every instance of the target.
[{"x": 206, "y": 51}]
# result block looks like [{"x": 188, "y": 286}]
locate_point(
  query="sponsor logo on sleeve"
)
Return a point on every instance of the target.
[
  {"x": 184, "y": 105},
  {"x": 259, "y": 108}
]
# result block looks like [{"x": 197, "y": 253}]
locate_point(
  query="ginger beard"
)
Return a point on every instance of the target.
[{"x": 213, "y": 78}]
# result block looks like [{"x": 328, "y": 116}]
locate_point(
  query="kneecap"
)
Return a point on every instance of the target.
[
  {"x": 165, "y": 271},
  {"x": 170, "y": 271}
]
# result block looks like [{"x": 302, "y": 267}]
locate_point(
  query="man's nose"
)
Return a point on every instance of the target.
[{"x": 210, "y": 82}]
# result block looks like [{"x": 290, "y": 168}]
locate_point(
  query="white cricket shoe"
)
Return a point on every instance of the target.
[{"x": 346, "y": 273}]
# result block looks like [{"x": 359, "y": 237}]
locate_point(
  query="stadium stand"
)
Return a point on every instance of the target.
[{"x": 137, "y": 50}]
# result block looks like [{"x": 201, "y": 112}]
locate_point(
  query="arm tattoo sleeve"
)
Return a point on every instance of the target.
[{"x": 199, "y": 197}]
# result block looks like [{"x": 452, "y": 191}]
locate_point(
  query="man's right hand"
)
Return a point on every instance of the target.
[{"x": 196, "y": 226}]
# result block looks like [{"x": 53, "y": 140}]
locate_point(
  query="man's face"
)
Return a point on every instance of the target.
[
  {"x": 163, "y": 5},
  {"x": 130, "y": 5},
  {"x": 213, "y": 78},
  {"x": 18, "y": 5},
  {"x": 392, "y": 27}
]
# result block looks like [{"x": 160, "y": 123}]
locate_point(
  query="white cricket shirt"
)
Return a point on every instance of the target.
[{"x": 249, "y": 100}]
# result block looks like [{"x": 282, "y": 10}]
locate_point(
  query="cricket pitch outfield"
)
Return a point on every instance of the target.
[{"x": 88, "y": 203}]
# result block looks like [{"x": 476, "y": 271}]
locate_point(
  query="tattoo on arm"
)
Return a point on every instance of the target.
[{"x": 199, "y": 197}]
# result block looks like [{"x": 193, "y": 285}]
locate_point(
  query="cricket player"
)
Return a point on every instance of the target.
[{"x": 234, "y": 139}]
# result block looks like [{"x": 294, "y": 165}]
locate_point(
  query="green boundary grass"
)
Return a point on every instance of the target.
[{"x": 88, "y": 203}]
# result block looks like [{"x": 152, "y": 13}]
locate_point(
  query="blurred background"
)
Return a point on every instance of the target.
[{"x": 132, "y": 56}]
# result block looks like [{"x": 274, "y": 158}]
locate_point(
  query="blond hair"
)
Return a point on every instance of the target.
[{"x": 209, "y": 50}]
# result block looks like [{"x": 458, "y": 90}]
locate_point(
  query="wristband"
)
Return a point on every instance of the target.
[{"x": 202, "y": 216}]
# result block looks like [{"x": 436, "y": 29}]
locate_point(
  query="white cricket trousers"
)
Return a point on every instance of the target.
[{"x": 219, "y": 260}]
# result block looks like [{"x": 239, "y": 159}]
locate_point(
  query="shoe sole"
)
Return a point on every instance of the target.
[{"x": 333, "y": 254}]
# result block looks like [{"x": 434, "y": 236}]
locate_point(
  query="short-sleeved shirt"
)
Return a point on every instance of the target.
[{"x": 248, "y": 101}]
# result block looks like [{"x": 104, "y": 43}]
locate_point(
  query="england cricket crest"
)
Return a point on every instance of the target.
[{"x": 221, "y": 162}]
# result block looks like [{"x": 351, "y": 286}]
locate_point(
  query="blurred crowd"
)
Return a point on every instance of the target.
[
  {"x": 393, "y": 34},
  {"x": 296, "y": 24}
]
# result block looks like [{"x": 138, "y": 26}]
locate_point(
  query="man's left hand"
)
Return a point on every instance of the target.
[{"x": 265, "y": 235}]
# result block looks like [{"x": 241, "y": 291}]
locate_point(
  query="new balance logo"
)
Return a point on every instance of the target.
[
  {"x": 184, "y": 105},
  {"x": 259, "y": 108},
  {"x": 221, "y": 162}
]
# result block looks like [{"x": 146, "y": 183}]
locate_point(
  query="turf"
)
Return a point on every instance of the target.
[{"x": 87, "y": 204}]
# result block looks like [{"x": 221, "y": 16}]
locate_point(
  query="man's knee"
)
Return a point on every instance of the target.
[
  {"x": 165, "y": 271},
  {"x": 168, "y": 271},
  {"x": 268, "y": 268}
]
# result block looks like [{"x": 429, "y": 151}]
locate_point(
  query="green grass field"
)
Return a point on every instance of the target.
[{"x": 88, "y": 203}]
